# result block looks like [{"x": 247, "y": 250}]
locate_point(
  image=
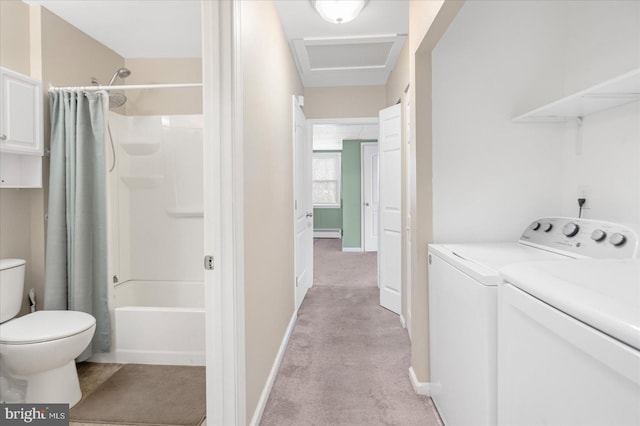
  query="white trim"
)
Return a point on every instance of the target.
[
  {"x": 352, "y": 249},
  {"x": 421, "y": 388},
  {"x": 223, "y": 213},
  {"x": 264, "y": 396},
  {"x": 362, "y": 146},
  {"x": 327, "y": 233},
  {"x": 403, "y": 323}
]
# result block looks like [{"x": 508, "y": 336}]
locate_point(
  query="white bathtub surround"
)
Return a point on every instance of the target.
[{"x": 158, "y": 322}]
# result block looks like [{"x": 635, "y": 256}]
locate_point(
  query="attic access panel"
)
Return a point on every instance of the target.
[{"x": 347, "y": 61}]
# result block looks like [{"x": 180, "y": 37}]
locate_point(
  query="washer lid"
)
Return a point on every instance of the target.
[
  {"x": 483, "y": 261},
  {"x": 43, "y": 326},
  {"x": 602, "y": 293}
]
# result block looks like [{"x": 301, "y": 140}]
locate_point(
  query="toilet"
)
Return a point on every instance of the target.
[{"x": 38, "y": 350}]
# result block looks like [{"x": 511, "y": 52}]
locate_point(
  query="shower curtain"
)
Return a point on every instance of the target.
[{"x": 76, "y": 252}]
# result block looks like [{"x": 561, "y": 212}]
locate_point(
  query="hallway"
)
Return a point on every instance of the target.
[{"x": 348, "y": 359}]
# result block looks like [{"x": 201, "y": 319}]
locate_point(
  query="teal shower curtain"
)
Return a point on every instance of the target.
[{"x": 76, "y": 253}]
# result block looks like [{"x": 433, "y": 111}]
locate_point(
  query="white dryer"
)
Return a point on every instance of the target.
[
  {"x": 569, "y": 344},
  {"x": 463, "y": 283}
]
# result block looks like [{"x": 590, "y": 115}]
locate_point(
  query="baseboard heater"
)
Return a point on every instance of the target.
[{"x": 327, "y": 233}]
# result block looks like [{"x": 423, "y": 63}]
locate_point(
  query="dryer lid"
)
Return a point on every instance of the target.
[
  {"x": 603, "y": 293},
  {"x": 44, "y": 326}
]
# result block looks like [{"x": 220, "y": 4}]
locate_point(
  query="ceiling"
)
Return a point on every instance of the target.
[
  {"x": 361, "y": 52},
  {"x": 136, "y": 28}
]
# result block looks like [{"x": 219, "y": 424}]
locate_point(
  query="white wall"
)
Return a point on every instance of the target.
[
  {"x": 498, "y": 59},
  {"x": 608, "y": 168},
  {"x": 603, "y": 41}
]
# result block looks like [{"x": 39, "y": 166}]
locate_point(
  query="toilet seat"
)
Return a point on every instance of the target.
[{"x": 44, "y": 326}]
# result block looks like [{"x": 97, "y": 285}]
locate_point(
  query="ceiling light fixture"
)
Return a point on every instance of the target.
[{"x": 339, "y": 11}]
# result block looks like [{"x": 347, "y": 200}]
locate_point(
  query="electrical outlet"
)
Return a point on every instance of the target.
[{"x": 584, "y": 191}]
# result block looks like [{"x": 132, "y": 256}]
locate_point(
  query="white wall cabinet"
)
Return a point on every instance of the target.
[{"x": 21, "y": 141}]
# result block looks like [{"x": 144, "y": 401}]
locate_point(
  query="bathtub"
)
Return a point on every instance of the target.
[{"x": 157, "y": 322}]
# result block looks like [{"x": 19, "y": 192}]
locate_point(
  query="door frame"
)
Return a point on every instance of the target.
[
  {"x": 362, "y": 146},
  {"x": 223, "y": 212},
  {"x": 352, "y": 121}
]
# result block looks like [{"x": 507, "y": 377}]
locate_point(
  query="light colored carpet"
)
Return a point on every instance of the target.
[
  {"x": 146, "y": 395},
  {"x": 332, "y": 266},
  {"x": 348, "y": 359}
]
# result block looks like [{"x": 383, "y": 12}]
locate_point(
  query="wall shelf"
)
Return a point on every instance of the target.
[
  {"x": 133, "y": 148},
  {"x": 610, "y": 94},
  {"x": 142, "y": 182},
  {"x": 184, "y": 212}
]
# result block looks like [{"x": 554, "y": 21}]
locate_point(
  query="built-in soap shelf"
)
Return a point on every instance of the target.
[
  {"x": 142, "y": 182},
  {"x": 184, "y": 212},
  {"x": 140, "y": 148},
  {"x": 610, "y": 94}
]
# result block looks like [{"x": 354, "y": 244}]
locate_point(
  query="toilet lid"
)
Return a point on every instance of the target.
[{"x": 43, "y": 326}]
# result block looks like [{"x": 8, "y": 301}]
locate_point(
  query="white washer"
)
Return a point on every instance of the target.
[
  {"x": 569, "y": 343},
  {"x": 463, "y": 280}
]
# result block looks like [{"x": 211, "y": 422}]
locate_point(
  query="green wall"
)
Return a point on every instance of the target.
[
  {"x": 327, "y": 218},
  {"x": 347, "y": 218}
]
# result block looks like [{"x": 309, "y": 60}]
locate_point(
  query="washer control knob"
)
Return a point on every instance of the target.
[
  {"x": 535, "y": 226},
  {"x": 547, "y": 226},
  {"x": 570, "y": 229},
  {"x": 617, "y": 239},
  {"x": 598, "y": 235}
]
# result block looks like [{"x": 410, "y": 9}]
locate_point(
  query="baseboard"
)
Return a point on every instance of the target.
[
  {"x": 403, "y": 323},
  {"x": 358, "y": 249},
  {"x": 421, "y": 388},
  {"x": 327, "y": 233},
  {"x": 262, "y": 402}
]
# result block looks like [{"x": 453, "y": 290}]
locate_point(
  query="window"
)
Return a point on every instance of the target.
[{"x": 326, "y": 179}]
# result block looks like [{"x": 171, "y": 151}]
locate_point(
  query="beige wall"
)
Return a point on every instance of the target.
[
  {"x": 268, "y": 182},
  {"x": 399, "y": 78},
  {"x": 163, "y": 101},
  {"x": 421, "y": 15},
  {"x": 343, "y": 102},
  {"x": 428, "y": 21},
  {"x": 14, "y": 36}
]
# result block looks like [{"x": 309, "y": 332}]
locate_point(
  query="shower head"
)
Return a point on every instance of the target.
[{"x": 121, "y": 73}]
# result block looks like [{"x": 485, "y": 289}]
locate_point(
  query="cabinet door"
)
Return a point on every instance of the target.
[{"x": 21, "y": 115}]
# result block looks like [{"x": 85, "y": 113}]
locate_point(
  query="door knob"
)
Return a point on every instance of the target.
[
  {"x": 309, "y": 214},
  {"x": 3, "y": 137},
  {"x": 366, "y": 204}
]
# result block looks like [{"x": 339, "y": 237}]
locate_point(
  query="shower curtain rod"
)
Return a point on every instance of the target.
[{"x": 129, "y": 87}]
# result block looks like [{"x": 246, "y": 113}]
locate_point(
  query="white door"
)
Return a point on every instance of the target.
[
  {"x": 303, "y": 206},
  {"x": 370, "y": 196},
  {"x": 389, "y": 243}
]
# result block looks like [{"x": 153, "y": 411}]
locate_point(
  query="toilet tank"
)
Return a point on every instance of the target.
[{"x": 11, "y": 287}]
